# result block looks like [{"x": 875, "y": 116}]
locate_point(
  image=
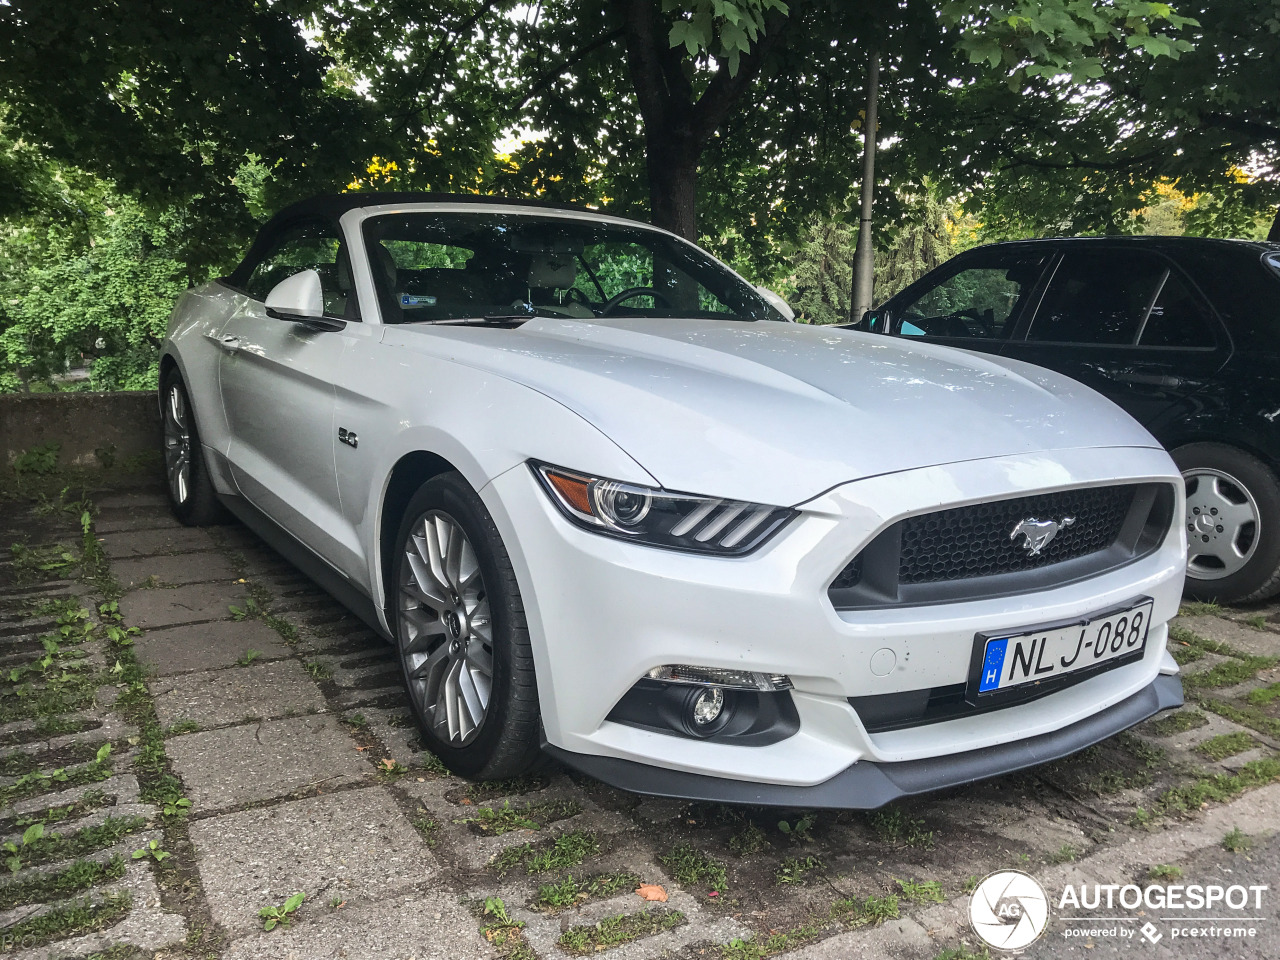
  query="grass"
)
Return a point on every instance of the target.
[
  {"x": 1236, "y": 841},
  {"x": 1226, "y": 745},
  {"x": 1179, "y": 722},
  {"x": 1064, "y": 854},
  {"x": 794, "y": 870},
  {"x": 1248, "y": 716},
  {"x": 76, "y": 878},
  {"x": 693, "y": 868},
  {"x": 891, "y": 825},
  {"x": 1220, "y": 787},
  {"x": 565, "y": 851},
  {"x": 860, "y": 913},
  {"x": 625, "y": 927},
  {"x": 88, "y": 802},
  {"x": 319, "y": 671},
  {"x": 1258, "y": 622},
  {"x": 427, "y": 828},
  {"x": 1164, "y": 871},
  {"x": 749, "y": 840},
  {"x": 68, "y": 920},
  {"x": 1264, "y": 696},
  {"x": 53, "y": 846},
  {"x": 570, "y": 891},
  {"x": 495, "y": 821},
  {"x": 1195, "y": 609},
  {"x": 1228, "y": 673},
  {"x": 921, "y": 891}
]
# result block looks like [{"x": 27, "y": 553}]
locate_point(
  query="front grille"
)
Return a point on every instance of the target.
[
  {"x": 969, "y": 553},
  {"x": 974, "y": 541}
]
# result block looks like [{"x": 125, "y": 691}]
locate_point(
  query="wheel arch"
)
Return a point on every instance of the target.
[{"x": 411, "y": 471}]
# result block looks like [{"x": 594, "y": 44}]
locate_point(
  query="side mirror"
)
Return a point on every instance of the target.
[
  {"x": 300, "y": 299},
  {"x": 776, "y": 302}
]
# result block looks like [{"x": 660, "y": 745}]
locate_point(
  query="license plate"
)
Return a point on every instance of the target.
[{"x": 1014, "y": 660}]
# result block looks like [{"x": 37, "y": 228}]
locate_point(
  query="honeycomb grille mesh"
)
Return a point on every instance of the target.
[{"x": 974, "y": 541}]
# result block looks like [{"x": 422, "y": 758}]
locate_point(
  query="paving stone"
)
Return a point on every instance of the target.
[
  {"x": 181, "y": 569},
  {"x": 354, "y": 845},
  {"x": 1258, "y": 643},
  {"x": 228, "y": 696},
  {"x": 134, "y": 518},
  {"x": 418, "y": 926},
  {"x": 902, "y": 938},
  {"x": 207, "y": 646},
  {"x": 148, "y": 543},
  {"x": 133, "y": 498},
  {"x": 167, "y": 607},
  {"x": 274, "y": 758}
]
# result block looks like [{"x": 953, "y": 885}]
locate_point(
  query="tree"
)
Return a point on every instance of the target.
[{"x": 1074, "y": 160}]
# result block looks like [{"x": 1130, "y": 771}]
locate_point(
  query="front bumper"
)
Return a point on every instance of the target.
[
  {"x": 602, "y": 613},
  {"x": 867, "y": 784}
]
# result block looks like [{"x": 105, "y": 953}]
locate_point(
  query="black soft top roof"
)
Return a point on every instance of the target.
[{"x": 331, "y": 206}]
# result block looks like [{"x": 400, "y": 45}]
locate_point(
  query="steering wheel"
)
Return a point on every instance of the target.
[
  {"x": 620, "y": 298},
  {"x": 574, "y": 295},
  {"x": 971, "y": 313}
]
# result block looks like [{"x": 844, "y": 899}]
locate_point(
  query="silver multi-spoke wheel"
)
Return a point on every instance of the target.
[
  {"x": 177, "y": 444},
  {"x": 446, "y": 628},
  {"x": 1222, "y": 524}
]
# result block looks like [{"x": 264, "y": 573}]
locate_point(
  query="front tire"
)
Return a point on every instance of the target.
[
  {"x": 1233, "y": 524},
  {"x": 462, "y": 635},
  {"x": 191, "y": 493}
]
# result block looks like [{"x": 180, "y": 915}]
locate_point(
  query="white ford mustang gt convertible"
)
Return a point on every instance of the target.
[{"x": 612, "y": 505}]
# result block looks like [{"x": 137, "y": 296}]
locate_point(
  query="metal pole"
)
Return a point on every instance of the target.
[{"x": 864, "y": 264}]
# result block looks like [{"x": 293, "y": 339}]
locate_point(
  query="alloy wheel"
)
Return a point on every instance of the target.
[
  {"x": 177, "y": 444},
  {"x": 446, "y": 628},
  {"x": 1222, "y": 524}
]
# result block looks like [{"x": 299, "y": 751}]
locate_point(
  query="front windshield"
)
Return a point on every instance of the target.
[{"x": 459, "y": 266}]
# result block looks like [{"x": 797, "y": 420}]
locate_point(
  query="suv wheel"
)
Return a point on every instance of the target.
[
  {"x": 462, "y": 636},
  {"x": 1233, "y": 523}
]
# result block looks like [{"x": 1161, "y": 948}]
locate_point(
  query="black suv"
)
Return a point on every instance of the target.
[{"x": 1183, "y": 333}]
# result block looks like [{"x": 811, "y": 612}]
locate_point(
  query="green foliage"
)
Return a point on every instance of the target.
[
  {"x": 584, "y": 940},
  {"x": 1236, "y": 841},
  {"x": 281, "y": 915},
  {"x": 692, "y": 867}
]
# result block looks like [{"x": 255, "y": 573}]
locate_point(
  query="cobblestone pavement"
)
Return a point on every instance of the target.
[{"x": 191, "y": 733}]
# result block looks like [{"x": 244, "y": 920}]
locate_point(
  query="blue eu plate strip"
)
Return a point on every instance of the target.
[{"x": 992, "y": 664}]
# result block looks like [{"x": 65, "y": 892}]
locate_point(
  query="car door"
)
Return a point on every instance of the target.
[
  {"x": 277, "y": 384},
  {"x": 1128, "y": 323},
  {"x": 973, "y": 302}
]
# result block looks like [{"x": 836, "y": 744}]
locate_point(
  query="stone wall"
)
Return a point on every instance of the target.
[{"x": 91, "y": 429}]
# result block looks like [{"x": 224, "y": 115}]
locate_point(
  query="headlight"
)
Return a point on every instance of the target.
[{"x": 660, "y": 518}]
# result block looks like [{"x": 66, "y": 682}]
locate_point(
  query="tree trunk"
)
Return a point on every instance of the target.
[
  {"x": 672, "y": 160},
  {"x": 1274, "y": 235},
  {"x": 864, "y": 262}
]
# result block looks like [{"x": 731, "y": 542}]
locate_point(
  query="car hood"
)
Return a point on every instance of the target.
[{"x": 780, "y": 412}]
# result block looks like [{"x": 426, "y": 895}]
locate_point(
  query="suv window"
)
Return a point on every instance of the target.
[
  {"x": 1098, "y": 296},
  {"x": 309, "y": 246},
  {"x": 980, "y": 301},
  {"x": 1178, "y": 318}
]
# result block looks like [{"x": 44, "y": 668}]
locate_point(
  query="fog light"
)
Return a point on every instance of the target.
[{"x": 707, "y": 706}]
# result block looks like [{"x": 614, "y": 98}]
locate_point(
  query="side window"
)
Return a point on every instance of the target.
[
  {"x": 1178, "y": 318},
  {"x": 1098, "y": 297},
  {"x": 309, "y": 246},
  {"x": 978, "y": 302}
]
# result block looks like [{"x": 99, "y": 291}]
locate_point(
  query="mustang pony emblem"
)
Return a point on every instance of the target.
[{"x": 1039, "y": 532}]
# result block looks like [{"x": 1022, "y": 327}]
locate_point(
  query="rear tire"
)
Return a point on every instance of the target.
[
  {"x": 1233, "y": 524},
  {"x": 191, "y": 493},
  {"x": 462, "y": 635}
]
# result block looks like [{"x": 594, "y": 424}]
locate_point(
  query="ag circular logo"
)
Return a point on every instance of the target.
[{"x": 1009, "y": 910}]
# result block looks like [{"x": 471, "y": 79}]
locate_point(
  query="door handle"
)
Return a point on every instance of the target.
[
  {"x": 229, "y": 342},
  {"x": 1149, "y": 379}
]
